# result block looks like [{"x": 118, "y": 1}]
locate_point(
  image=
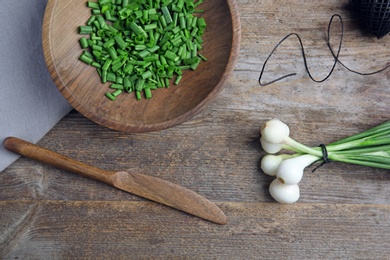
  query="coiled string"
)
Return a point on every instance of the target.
[{"x": 335, "y": 56}]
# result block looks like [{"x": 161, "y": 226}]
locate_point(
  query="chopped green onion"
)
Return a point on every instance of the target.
[
  {"x": 84, "y": 43},
  {"x": 138, "y": 95},
  {"x": 107, "y": 64},
  {"x": 141, "y": 45},
  {"x": 201, "y": 23},
  {"x": 117, "y": 86},
  {"x": 202, "y": 57},
  {"x": 93, "y": 5},
  {"x": 116, "y": 92},
  {"x": 167, "y": 14},
  {"x": 171, "y": 56},
  {"x": 110, "y": 96},
  {"x": 85, "y": 29},
  {"x": 85, "y": 58},
  {"x": 178, "y": 79},
  {"x": 148, "y": 93},
  {"x": 121, "y": 43},
  {"x": 146, "y": 74},
  {"x": 111, "y": 77}
]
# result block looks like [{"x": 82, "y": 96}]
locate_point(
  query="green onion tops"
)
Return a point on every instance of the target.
[{"x": 139, "y": 45}]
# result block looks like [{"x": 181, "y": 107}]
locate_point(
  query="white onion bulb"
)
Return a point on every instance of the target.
[
  {"x": 270, "y": 163},
  {"x": 270, "y": 147},
  {"x": 284, "y": 193},
  {"x": 275, "y": 131},
  {"x": 290, "y": 171}
]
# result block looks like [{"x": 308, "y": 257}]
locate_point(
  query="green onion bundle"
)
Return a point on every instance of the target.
[
  {"x": 140, "y": 45},
  {"x": 369, "y": 148}
]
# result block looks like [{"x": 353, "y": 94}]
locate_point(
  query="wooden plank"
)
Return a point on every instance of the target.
[{"x": 139, "y": 230}]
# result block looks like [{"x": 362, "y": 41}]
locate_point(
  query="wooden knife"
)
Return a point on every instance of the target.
[{"x": 148, "y": 187}]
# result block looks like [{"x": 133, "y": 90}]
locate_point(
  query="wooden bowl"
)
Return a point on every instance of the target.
[{"x": 81, "y": 85}]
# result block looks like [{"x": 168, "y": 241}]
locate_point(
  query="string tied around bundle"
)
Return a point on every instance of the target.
[{"x": 325, "y": 158}]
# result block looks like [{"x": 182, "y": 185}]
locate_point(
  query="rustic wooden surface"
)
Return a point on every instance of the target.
[{"x": 343, "y": 212}]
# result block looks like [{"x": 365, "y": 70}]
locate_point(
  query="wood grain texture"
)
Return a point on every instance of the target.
[
  {"x": 81, "y": 85},
  {"x": 128, "y": 230},
  {"x": 343, "y": 211}
]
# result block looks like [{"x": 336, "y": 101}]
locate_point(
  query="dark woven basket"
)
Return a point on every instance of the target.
[{"x": 375, "y": 14}]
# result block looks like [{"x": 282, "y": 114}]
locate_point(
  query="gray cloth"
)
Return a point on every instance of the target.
[{"x": 30, "y": 103}]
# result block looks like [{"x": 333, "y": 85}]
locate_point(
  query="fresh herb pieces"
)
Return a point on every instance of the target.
[{"x": 141, "y": 44}]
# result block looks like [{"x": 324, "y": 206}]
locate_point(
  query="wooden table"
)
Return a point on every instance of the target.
[{"x": 343, "y": 212}]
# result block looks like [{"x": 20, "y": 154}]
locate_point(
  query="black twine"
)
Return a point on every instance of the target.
[
  {"x": 325, "y": 158},
  {"x": 335, "y": 56}
]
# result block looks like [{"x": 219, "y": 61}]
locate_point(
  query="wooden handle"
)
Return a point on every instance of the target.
[{"x": 43, "y": 155}]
